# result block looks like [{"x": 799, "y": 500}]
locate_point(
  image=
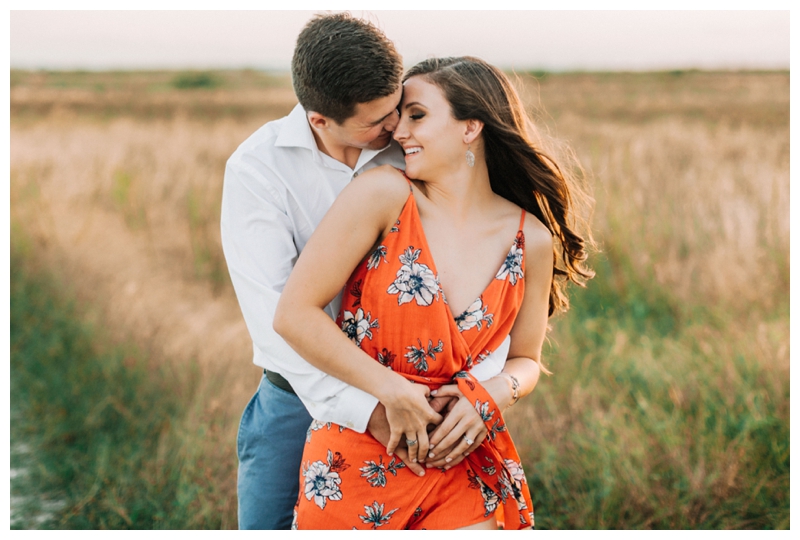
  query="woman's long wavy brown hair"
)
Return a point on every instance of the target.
[{"x": 519, "y": 170}]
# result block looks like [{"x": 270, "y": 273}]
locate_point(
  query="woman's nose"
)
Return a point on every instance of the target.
[{"x": 400, "y": 130}]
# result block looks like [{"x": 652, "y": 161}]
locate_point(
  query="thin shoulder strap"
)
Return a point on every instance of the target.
[
  {"x": 522, "y": 220},
  {"x": 406, "y": 177}
]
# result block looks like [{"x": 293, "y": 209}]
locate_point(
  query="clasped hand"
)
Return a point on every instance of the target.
[{"x": 443, "y": 440}]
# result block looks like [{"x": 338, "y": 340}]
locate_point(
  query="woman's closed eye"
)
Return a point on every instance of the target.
[{"x": 417, "y": 116}]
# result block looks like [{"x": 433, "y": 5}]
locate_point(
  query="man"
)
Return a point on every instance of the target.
[{"x": 278, "y": 185}]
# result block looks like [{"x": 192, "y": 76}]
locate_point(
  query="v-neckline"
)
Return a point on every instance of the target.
[{"x": 435, "y": 269}]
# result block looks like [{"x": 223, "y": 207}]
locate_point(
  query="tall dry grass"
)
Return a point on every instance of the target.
[
  {"x": 669, "y": 407},
  {"x": 116, "y": 179}
]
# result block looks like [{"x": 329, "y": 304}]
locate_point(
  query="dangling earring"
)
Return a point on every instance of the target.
[{"x": 470, "y": 156}]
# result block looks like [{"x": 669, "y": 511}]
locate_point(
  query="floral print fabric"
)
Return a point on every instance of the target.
[{"x": 394, "y": 309}]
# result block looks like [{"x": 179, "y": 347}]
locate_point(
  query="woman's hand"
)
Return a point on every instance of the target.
[
  {"x": 462, "y": 429},
  {"x": 409, "y": 414}
]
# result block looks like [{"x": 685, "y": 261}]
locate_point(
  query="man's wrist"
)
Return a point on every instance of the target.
[
  {"x": 352, "y": 408},
  {"x": 378, "y": 425},
  {"x": 378, "y": 415}
]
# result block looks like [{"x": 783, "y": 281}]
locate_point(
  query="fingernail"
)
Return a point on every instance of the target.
[
  {"x": 430, "y": 455},
  {"x": 433, "y": 392},
  {"x": 447, "y": 467},
  {"x": 422, "y": 473},
  {"x": 431, "y": 447},
  {"x": 428, "y": 465},
  {"x": 448, "y": 460},
  {"x": 413, "y": 461}
]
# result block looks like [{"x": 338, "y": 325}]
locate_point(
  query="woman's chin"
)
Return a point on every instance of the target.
[{"x": 412, "y": 170}]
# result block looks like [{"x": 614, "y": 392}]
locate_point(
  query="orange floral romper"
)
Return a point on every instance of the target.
[{"x": 394, "y": 309}]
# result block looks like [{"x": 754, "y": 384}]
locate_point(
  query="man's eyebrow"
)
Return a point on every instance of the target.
[{"x": 376, "y": 122}]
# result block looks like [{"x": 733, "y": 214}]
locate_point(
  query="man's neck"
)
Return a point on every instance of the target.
[{"x": 343, "y": 154}]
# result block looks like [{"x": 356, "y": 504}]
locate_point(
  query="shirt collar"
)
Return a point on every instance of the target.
[{"x": 296, "y": 132}]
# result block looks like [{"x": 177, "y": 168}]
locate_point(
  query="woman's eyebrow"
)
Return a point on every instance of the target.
[{"x": 407, "y": 105}]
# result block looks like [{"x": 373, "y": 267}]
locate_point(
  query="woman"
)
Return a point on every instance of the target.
[{"x": 484, "y": 207}]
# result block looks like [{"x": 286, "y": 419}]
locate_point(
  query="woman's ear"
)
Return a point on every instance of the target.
[{"x": 472, "y": 130}]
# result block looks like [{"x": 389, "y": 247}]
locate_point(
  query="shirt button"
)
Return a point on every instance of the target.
[
  {"x": 355, "y": 174},
  {"x": 350, "y": 424}
]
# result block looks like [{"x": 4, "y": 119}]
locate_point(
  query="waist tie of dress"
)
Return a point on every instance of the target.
[{"x": 501, "y": 479}]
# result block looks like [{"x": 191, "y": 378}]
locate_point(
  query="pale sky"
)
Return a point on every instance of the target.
[{"x": 554, "y": 40}]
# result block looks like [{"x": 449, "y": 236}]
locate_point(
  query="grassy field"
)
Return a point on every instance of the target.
[
  {"x": 669, "y": 402},
  {"x": 106, "y": 439}
]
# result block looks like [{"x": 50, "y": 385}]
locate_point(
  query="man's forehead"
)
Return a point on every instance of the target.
[{"x": 376, "y": 110}]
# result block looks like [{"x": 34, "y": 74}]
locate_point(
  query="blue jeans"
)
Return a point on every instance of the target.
[{"x": 270, "y": 447}]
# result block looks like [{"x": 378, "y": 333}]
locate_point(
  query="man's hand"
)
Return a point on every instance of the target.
[
  {"x": 443, "y": 403},
  {"x": 378, "y": 427},
  {"x": 438, "y": 454},
  {"x": 449, "y": 439}
]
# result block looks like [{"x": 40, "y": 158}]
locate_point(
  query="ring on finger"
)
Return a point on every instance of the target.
[
  {"x": 468, "y": 440},
  {"x": 411, "y": 442}
]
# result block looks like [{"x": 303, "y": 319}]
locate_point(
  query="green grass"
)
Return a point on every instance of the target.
[
  {"x": 661, "y": 413},
  {"x": 659, "y": 416},
  {"x": 150, "y": 95},
  {"x": 192, "y": 80},
  {"x": 147, "y": 81},
  {"x": 107, "y": 444}
]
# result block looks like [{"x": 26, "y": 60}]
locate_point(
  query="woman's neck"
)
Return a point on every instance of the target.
[{"x": 460, "y": 192}]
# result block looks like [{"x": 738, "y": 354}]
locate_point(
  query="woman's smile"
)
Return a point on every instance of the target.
[{"x": 411, "y": 151}]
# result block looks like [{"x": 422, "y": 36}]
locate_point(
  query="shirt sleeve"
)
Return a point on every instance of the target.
[
  {"x": 494, "y": 363},
  {"x": 260, "y": 253}
]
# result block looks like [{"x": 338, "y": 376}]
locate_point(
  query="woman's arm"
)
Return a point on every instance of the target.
[
  {"x": 364, "y": 211},
  {"x": 530, "y": 327},
  {"x": 527, "y": 338}
]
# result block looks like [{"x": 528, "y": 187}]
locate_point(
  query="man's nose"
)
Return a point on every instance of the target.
[{"x": 391, "y": 121}]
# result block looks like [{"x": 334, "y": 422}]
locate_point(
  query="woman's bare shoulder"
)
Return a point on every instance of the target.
[
  {"x": 376, "y": 195},
  {"x": 384, "y": 182},
  {"x": 538, "y": 238}
]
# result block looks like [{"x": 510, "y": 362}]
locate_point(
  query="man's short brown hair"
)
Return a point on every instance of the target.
[{"x": 340, "y": 61}]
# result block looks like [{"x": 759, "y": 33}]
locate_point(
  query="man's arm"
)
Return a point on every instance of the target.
[{"x": 258, "y": 242}]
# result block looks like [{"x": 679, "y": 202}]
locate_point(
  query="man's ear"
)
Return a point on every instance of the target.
[
  {"x": 318, "y": 121},
  {"x": 472, "y": 130}
]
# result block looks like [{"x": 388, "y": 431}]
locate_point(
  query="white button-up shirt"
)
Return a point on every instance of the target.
[{"x": 277, "y": 188}]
